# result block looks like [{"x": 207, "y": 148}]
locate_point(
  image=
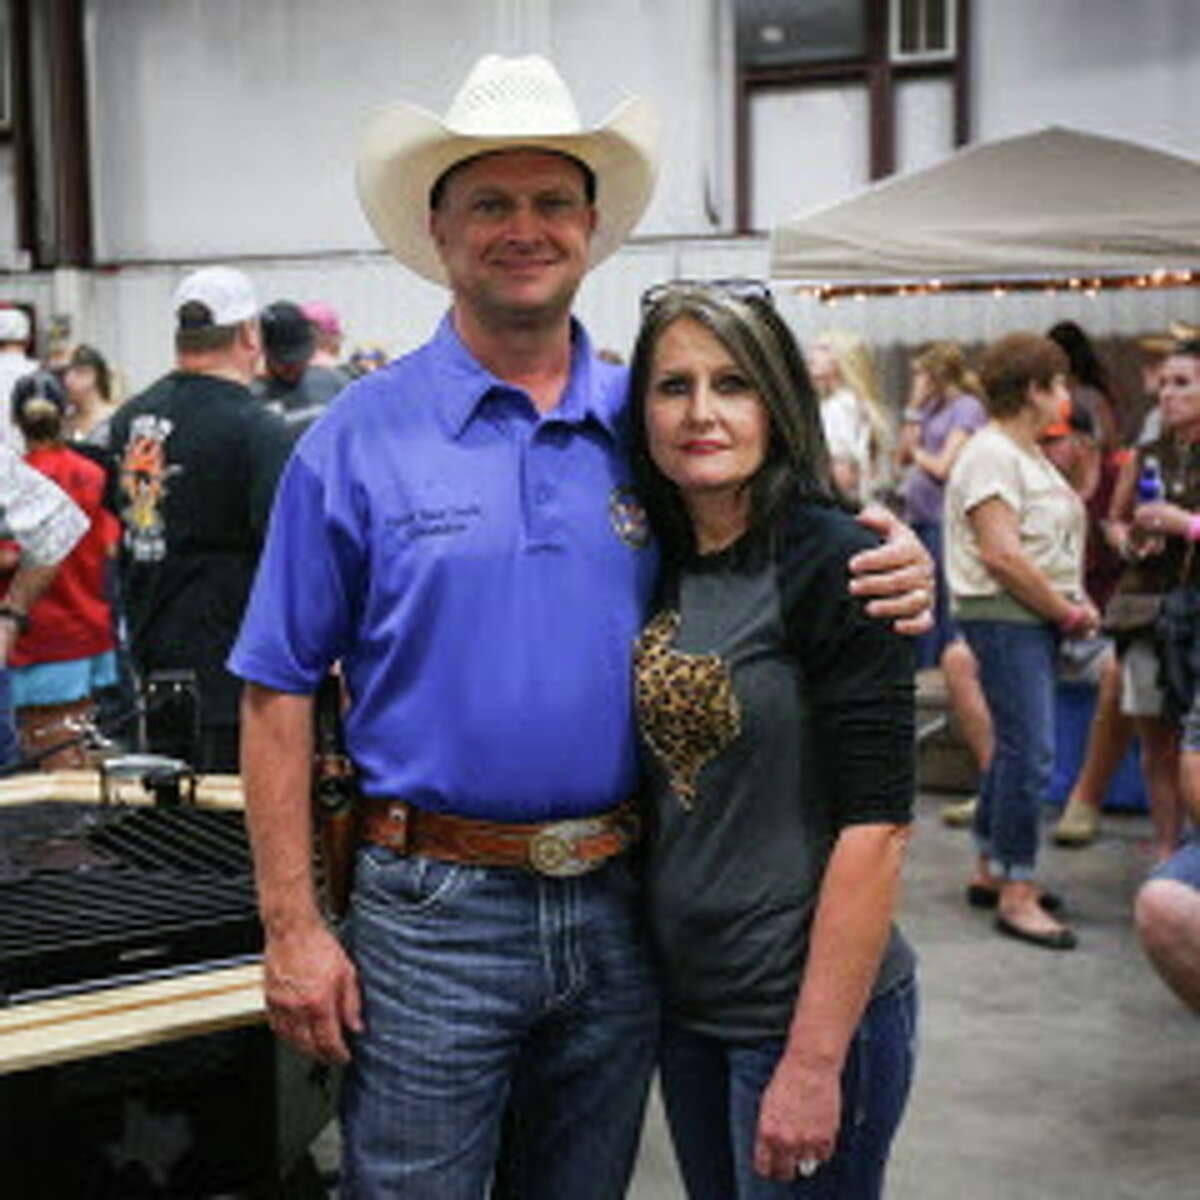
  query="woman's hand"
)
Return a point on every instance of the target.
[
  {"x": 1083, "y": 620},
  {"x": 798, "y": 1119},
  {"x": 1160, "y": 516}
]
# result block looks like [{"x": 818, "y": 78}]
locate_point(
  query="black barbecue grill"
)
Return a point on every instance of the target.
[
  {"x": 93, "y": 895},
  {"x": 97, "y": 895}
]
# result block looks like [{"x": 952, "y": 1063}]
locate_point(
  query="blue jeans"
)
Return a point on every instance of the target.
[
  {"x": 10, "y": 745},
  {"x": 1184, "y": 865},
  {"x": 1017, "y": 673},
  {"x": 931, "y": 643},
  {"x": 483, "y": 986},
  {"x": 712, "y": 1090}
]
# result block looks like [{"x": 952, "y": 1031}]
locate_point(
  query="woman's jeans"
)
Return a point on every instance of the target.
[
  {"x": 1017, "y": 672},
  {"x": 931, "y": 643},
  {"x": 712, "y": 1090},
  {"x": 483, "y": 986}
]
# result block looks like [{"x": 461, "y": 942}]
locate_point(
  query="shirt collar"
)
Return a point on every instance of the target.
[{"x": 595, "y": 390}]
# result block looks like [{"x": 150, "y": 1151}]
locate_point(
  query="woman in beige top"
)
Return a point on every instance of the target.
[{"x": 1015, "y": 539}]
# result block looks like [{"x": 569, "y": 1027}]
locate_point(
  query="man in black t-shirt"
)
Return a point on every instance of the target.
[
  {"x": 294, "y": 385},
  {"x": 199, "y": 459}
]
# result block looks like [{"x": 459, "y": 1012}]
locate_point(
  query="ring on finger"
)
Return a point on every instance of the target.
[{"x": 807, "y": 1166}]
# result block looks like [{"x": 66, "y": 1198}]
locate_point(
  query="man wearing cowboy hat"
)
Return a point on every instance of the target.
[{"x": 459, "y": 532}]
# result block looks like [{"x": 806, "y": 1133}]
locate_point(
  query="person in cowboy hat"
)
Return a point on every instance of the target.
[{"x": 459, "y": 531}]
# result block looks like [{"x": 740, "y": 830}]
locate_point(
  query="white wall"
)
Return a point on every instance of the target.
[
  {"x": 228, "y": 127},
  {"x": 1125, "y": 68},
  {"x": 8, "y": 209},
  {"x": 808, "y": 149},
  {"x": 224, "y": 130},
  {"x": 380, "y": 302}
]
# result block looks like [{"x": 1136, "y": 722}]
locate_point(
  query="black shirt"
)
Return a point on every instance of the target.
[
  {"x": 776, "y": 713},
  {"x": 199, "y": 460}
]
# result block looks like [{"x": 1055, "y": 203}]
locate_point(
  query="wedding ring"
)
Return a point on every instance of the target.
[{"x": 806, "y": 1167}]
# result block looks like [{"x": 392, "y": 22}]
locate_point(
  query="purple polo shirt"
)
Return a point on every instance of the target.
[
  {"x": 923, "y": 494},
  {"x": 481, "y": 571}
]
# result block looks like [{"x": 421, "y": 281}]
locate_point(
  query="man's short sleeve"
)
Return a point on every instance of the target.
[{"x": 37, "y": 514}]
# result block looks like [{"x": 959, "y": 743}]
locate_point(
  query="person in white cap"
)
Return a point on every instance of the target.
[
  {"x": 459, "y": 530},
  {"x": 199, "y": 459},
  {"x": 14, "y": 363}
]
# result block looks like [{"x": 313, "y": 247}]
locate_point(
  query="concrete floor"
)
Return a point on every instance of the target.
[{"x": 1042, "y": 1076}]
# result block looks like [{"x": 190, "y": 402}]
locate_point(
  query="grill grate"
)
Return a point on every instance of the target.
[{"x": 115, "y": 893}]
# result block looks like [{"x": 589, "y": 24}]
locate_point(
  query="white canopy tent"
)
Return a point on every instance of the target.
[{"x": 1055, "y": 205}]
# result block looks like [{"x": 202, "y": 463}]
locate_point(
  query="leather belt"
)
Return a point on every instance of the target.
[{"x": 559, "y": 849}]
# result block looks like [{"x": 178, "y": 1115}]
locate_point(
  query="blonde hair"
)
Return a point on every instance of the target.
[
  {"x": 856, "y": 367},
  {"x": 946, "y": 366}
]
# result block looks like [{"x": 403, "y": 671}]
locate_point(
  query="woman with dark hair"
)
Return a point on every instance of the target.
[
  {"x": 88, "y": 381},
  {"x": 1015, "y": 533},
  {"x": 66, "y": 654},
  {"x": 1088, "y": 381},
  {"x": 778, "y": 723}
]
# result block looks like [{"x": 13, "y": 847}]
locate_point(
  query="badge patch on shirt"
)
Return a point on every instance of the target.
[{"x": 629, "y": 518}]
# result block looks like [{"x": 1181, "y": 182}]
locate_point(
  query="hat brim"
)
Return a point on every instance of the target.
[
  {"x": 292, "y": 356},
  {"x": 404, "y": 150}
]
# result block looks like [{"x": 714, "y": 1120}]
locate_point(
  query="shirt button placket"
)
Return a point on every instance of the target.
[{"x": 540, "y": 493}]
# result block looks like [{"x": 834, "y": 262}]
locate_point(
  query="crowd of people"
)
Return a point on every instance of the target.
[
  {"x": 1065, "y": 528},
  {"x": 628, "y": 660},
  {"x": 176, "y": 485}
]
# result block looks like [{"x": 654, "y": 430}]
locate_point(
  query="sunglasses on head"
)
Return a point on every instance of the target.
[{"x": 739, "y": 288}]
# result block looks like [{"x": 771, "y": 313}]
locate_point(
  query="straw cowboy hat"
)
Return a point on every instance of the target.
[{"x": 505, "y": 103}]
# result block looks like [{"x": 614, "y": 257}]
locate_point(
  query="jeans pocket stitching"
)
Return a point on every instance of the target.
[{"x": 383, "y": 892}]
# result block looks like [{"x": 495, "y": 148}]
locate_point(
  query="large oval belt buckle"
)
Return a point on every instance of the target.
[{"x": 552, "y": 850}]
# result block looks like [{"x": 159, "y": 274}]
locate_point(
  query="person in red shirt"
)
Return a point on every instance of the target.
[{"x": 67, "y": 651}]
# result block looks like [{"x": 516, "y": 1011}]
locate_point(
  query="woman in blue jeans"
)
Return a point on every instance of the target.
[
  {"x": 1015, "y": 544},
  {"x": 778, "y": 723}
]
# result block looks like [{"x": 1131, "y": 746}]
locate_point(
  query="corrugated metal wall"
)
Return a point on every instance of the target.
[{"x": 126, "y": 312}]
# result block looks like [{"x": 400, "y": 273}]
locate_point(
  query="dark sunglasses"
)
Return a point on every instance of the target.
[{"x": 740, "y": 289}]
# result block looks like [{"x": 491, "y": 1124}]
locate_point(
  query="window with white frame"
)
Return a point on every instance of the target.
[
  {"x": 922, "y": 30},
  {"x": 833, "y": 94}
]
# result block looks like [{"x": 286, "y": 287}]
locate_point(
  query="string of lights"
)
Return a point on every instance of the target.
[{"x": 1088, "y": 285}]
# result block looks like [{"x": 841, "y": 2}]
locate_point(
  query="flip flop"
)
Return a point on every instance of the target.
[
  {"x": 1058, "y": 939},
  {"x": 981, "y": 896}
]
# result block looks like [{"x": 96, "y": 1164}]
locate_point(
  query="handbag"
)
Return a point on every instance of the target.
[{"x": 1126, "y": 612}]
